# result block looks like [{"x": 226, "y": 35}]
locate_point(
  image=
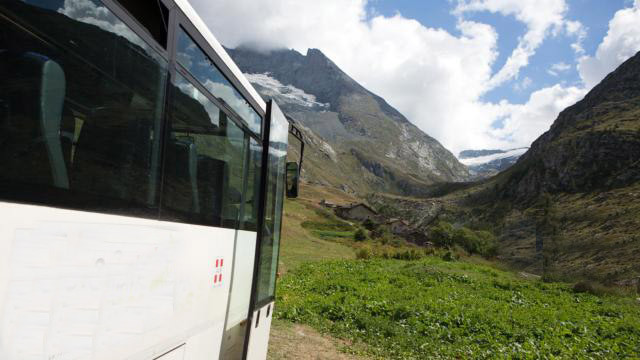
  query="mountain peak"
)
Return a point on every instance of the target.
[
  {"x": 315, "y": 52},
  {"x": 370, "y": 145}
]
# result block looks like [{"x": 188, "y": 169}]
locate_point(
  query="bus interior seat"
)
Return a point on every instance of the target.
[
  {"x": 113, "y": 152},
  {"x": 182, "y": 164},
  {"x": 212, "y": 180},
  {"x": 32, "y": 98}
]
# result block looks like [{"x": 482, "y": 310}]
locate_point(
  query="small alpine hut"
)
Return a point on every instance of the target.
[
  {"x": 399, "y": 226},
  {"x": 359, "y": 212}
]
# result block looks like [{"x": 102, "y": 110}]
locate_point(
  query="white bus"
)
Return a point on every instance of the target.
[{"x": 141, "y": 186}]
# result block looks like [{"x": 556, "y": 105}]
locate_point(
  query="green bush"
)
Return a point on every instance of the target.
[
  {"x": 442, "y": 234},
  {"x": 480, "y": 242},
  {"x": 584, "y": 287},
  {"x": 364, "y": 254},
  {"x": 448, "y": 256},
  {"x": 476, "y": 242},
  {"x": 360, "y": 235}
]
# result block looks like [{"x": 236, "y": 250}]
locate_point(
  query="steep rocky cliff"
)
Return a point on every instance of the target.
[
  {"x": 360, "y": 142},
  {"x": 570, "y": 207},
  {"x": 592, "y": 145}
]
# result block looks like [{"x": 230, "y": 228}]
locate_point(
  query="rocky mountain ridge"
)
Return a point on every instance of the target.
[
  {"x": 362, "y": 143},
  {"x": 569, "y": 207},
  {"x": 592, "y": 145}
]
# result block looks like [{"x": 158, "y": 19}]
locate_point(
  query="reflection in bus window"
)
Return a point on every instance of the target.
[
  {"x": 202, "y": 68},
  {"x": 204, "y": 161},
  {"x": 80, "y": 106}
]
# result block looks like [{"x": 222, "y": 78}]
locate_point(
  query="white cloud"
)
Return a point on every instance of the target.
[
  {"x": 525, "y": 122},
  {"x": 523, "y": 85},
  {"x": 89, "y": 12},
  {"x": 621, "y": 42},
  {"x": 558, "y": 68},
  {"x": 542, "y": 18},
  {"x": 434, "y": 77},
  {"x": 579, "y": 31}
]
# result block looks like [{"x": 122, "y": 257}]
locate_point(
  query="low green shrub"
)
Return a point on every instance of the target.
[
  {"x": 584, "y": 287},
  {"x": 448, "y": 256},
  {"x": 364, "y": 254},
  {"x": 480, "y": 242},
  {"x": 442, "y": 234},
  {"x": 360, "y": 235},
  {"x": 411, "y": 254}
]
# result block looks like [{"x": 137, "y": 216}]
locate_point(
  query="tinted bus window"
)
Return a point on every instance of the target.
[
  {"x": 204, "y": 161},
  {"x": 81, "y": 101},
  {"x": 270, "y": 245},
  {"x": 192, "y": 58}
]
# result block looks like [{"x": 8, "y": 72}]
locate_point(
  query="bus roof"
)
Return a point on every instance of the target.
[{"x": 200, "y": 25}]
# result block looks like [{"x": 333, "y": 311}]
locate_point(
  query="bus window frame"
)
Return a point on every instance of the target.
[
  {"x": 231, "y": 114},
  {"x": 129, "y": 20},
  {"x": 183, "y": 23}
]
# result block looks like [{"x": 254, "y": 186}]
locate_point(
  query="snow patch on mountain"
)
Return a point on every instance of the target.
[
  {"x": 287, "y": 93},
  {"x": 488, "y": 158}
]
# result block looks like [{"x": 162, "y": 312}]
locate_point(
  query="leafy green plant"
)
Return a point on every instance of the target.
[
  {"x": 360, "y": 235},
  {"x": 442, "y": 234},
  {"x": 448, "y": 256},
  {"x": 364, "y": 253},
  {"x": 480, "y": 242}
]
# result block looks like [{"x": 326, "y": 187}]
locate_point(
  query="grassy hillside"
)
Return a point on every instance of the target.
[
  {"x": 431, "y": 308},
  {"x": 299, "y": 244}
]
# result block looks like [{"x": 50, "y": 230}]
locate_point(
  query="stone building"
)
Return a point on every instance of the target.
[
  {"x": 359, "y": 212},
  {"x": 398, "y": 226}
]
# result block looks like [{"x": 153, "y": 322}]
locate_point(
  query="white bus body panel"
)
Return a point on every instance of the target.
[
  {"x": 239, "y": 300},
  {"x": 79, "y": 285}
]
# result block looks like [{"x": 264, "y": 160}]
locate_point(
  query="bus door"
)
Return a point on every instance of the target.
[{"x": 274, "y": 157}]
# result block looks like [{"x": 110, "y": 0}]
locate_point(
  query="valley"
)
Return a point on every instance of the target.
[{"x": 531, "y": 253}]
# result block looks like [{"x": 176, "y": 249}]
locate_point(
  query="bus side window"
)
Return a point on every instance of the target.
[
  {"x": 33, "y": 91},
  {"x": 203, "y": 162},
  {"x": 80, "y": 104},
  {"x": 198, "y": 64}
]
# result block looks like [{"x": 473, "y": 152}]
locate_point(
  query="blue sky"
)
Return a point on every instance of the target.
[
  {"x": 474, "y": 74},
  {"x": 593, "y": 14}
]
